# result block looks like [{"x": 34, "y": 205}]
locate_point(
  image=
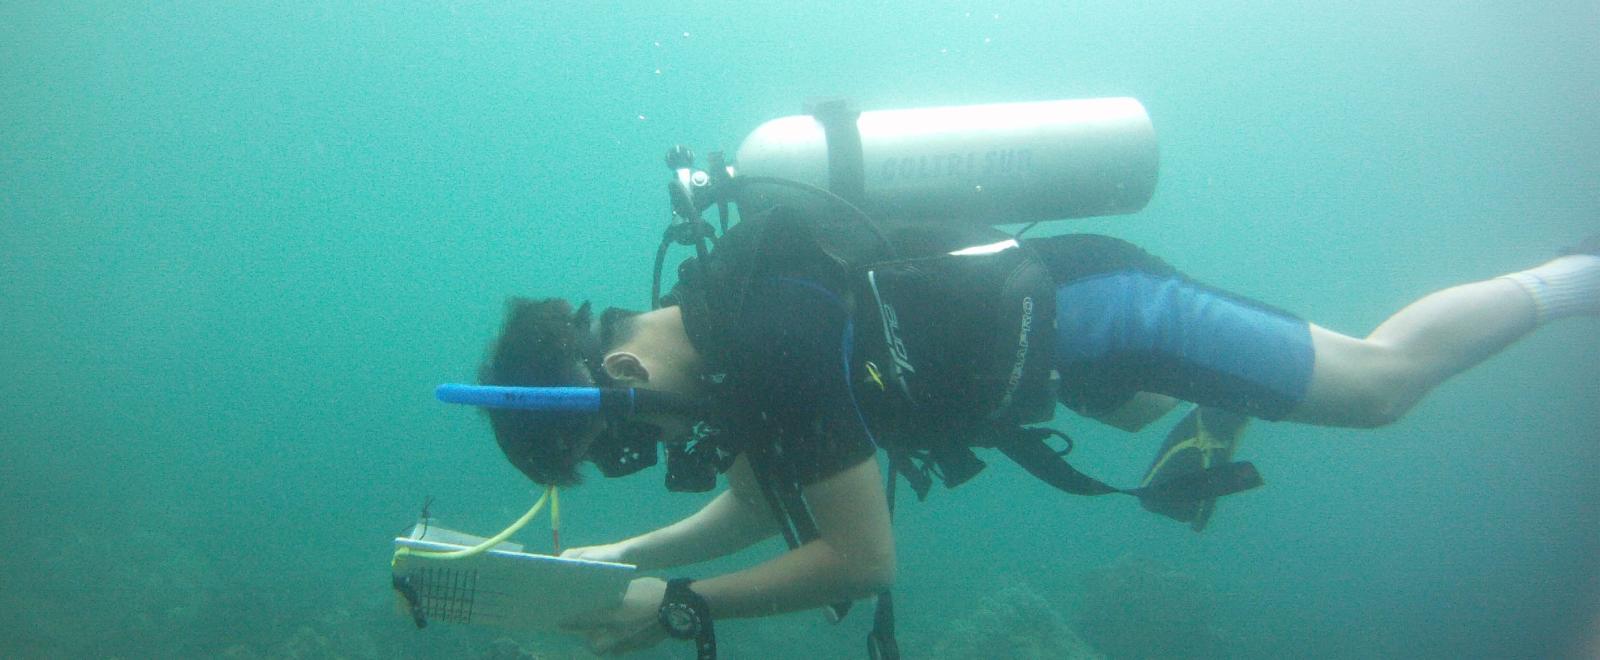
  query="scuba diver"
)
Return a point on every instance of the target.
[{"x": 819, "y": 341}]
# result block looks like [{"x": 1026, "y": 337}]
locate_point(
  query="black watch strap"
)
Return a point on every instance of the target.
[{"x": 686, "y": 615}]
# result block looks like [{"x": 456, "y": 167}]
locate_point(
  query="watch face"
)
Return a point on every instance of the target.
[{"x": 681, "y": 620}]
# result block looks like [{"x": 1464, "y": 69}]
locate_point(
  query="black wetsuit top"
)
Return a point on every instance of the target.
[{"x": 770, "y": 313}]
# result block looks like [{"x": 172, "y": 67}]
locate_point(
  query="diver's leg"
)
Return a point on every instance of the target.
[
  {"x": 1135, "y": 331},
  {"x": 1374, "y": 381}
]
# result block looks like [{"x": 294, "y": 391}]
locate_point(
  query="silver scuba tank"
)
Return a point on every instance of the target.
[{"x": 989, "y": 164}]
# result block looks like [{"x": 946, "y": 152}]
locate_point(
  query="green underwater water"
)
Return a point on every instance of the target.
[{"x": 241, "y": 242}]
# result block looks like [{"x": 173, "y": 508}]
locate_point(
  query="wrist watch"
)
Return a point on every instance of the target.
[{"x": 686, "y": 615}]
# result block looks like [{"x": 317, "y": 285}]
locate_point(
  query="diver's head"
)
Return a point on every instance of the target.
[
  {"x": 546, "y": 343},
  {"x": 649, "y": 350}
]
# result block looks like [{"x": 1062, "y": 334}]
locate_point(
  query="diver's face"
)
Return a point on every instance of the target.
[
  {"x": 659, "y": 355},
  {"x": 675, "y": 377}
]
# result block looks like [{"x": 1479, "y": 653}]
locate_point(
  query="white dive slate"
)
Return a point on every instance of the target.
[{"x": 503, "y": 586}]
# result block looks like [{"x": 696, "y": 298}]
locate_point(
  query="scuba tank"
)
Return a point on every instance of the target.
[
  {"x": 990, "y": 164},
  {"x": 986, "y": 164}
]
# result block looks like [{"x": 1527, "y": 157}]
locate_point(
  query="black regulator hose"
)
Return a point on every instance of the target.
[{"x": 870, "y": 222}]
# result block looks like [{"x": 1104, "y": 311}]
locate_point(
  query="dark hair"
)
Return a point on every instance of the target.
[
  {"x": 545, "y": 343},
  {"x": 616, "y": 328}
]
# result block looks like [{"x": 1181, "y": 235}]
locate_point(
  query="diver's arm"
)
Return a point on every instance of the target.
[
  {"x": 731, "y": 522},
  {"x": 1138, "y": 412},
  {"x": 852, "y": 557}
]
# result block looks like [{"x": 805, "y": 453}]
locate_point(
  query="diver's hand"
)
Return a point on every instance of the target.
[
  {"x": 631, "y": 626},
  {"x": 612, "y": 552}
]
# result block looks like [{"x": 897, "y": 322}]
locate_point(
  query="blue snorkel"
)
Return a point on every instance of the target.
[
  {"x": 547, "y": 399},
  {"x": 625, "y": 446},
  {"x": 612, "y": 402}
]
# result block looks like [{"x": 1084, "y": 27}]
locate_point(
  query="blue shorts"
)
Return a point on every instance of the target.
[{"x": 1140, "y": 326}]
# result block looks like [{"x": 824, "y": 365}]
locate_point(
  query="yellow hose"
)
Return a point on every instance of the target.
[
  {"x": 555, "y": 518},
  {"x": 490, "y": 542}
]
